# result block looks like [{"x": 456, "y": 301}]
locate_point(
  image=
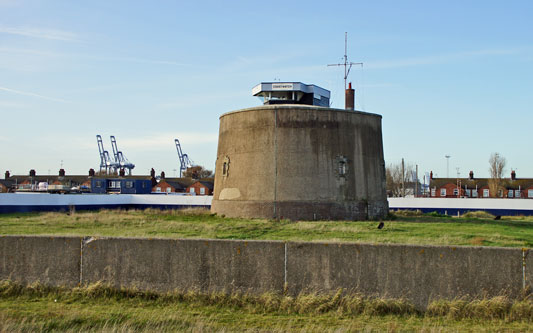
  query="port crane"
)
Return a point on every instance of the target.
[
  {"x": 105, "y": 161},
  {"x": 185, "y": 162},
  {"x": 120, "y": 159}
]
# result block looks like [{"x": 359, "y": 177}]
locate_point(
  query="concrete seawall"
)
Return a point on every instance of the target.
[
  {"x": 417, "y": 273},
  {"x": 165, "y": 264},
  {"x": 51, "y": 260}
]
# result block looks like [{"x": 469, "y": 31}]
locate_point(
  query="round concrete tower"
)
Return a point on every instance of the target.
[{"x": 300, "y": 162}]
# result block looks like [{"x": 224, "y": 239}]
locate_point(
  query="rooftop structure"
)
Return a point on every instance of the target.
[{"x": 291, "y": 93}]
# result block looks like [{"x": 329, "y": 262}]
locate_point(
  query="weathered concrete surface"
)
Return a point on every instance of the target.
[
  {"x": 418, "y": 273},
  {"x": 529, "y": 268},
  {"x": 284, "y": 161},
  {"x": 50, "y": 260},
  {"x": 164, "y": 264}
]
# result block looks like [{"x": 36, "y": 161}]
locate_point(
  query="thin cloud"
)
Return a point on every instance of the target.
[
  {"x": 167, "y": 140},
  {"x": 128, "y": 144},
  {"x": 243, "y": 63},
  {"x": 140, "y": 60},
  {"x": 91, "y": 57},
  {"x": 31, "y": 52},
  {"x": 197, "y": 100},
  {"x": 378, "y": 85},
  {"x": 436, "y": 59},
  {"x": 9, "y": 3},
  {"x": 12, "y": 105},
  {"x": 26, "y": 93},
  {"x": 52, "y": 34}
]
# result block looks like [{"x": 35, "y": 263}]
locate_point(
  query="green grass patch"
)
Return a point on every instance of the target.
[
  {"x": 402, "y": 228},
  {"x": 101, "y": 308}
]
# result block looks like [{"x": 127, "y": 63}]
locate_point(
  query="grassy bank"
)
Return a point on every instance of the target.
[
  {"x": 98, "y": 307},
  {"x": 406, "y": 228}
]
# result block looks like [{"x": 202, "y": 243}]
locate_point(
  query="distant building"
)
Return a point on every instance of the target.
[
  {"x": 6, "y": 185},
  {"x": 512, "y": 188},
  {"x": 201, "y": 188},
  {"x": 174, "y": 185},
  {"x": 40, "y": 183},
  {"x": 121, "y": 185},
  {"x": 94, "y": 183}
]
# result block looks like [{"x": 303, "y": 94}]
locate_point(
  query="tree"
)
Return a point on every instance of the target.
[
  {"x": 400, "y": 183},
  {"x": 197, "y": 172},
  {"x": 496, "y": 170}
]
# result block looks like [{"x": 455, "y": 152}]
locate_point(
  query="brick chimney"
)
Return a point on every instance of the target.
[
  {"x": 152, "y": 173},
  {"x": 32, "y": 173},
  {"x": 162, "y": 174},
  {"x": 61, "y": 172},
  {"x": 7, "y": 174},
  {"x": 122, "y": 172},
  {"x": 431, "y": 175},
  {"x": 471, "y": 175},
  {"x": 91, "y": 172},
  {"x": 350, "y": 98},
  {"x": 513, "y": 175}
]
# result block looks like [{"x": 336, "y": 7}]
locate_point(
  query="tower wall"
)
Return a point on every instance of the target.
[{"x": 300, "y": 163}]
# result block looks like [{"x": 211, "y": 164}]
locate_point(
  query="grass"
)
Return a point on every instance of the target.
[
  {"x": 404, "y": 227},
  {"x": 100, "y": 308}
]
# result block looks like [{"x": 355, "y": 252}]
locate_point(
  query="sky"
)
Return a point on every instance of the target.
[{"x": 449, "y": 78}]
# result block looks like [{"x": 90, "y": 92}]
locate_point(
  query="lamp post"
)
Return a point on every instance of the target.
[
  {"x": 458, "y": 183},
  {"x": 447, "y": 165}
]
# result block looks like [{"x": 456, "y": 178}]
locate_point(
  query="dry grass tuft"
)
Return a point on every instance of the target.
[
  {"x": 100, "y": 307},
  {"x": 477, "y": 241},
  {"x": 479, "y": 214},
  {"x": 496, "y": 308},
  {"x": 499, "y": 307},
  {"x": 408, "y": 213},
  {"x": 36, "y": 289},
  {"x": 522, "y": 310},
  {"x": 305, "y": 303}
]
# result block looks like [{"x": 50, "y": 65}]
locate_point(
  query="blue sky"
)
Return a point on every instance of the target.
[{"x": 450, "y": 77}]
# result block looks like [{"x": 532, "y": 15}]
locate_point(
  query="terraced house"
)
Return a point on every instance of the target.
[{"x": 512, "y": 188}]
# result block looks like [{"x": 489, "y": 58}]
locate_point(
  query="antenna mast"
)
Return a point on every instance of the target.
[{"x": 347, "y": 65}]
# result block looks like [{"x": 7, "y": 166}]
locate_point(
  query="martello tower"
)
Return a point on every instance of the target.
[{"x": 297, "y": 158}]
